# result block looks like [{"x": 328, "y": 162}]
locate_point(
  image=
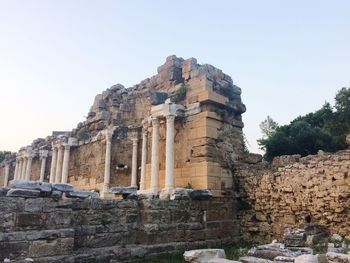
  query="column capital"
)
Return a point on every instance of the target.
[
  {"x": 134, "y": 136},
  {"x": 66, "y": 146},
  {"x": 43, "y": 154},
  {"x": 170, "y": 117},
  {"x": 155, "y": 121},
  {"x": 108, "y": 133}
]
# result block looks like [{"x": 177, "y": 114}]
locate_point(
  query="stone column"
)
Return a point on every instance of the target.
[
  {"x": 7, "y": 171},
  {"x": 58, "y": 172},
  {"x": 20, "y": 167},
  {"x": 169, "y": 154},
  {"x": 24, "y": 167},
  {"x": 107, "y": 175},
  {"x": 29, "y": 167},
  {"x": 134, "y": 161},
  {"x": 143, "y": 160},
  {"x": 53, "y": 165},
  {"x": 43, "y": 156},
  {"x": 16, "y": 169},
  {"x": 65, "y": 163},
  {"x": 155, "y": 156}
]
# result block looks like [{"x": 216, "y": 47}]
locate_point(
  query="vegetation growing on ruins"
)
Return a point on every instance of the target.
[
  {"x": 324, "y": 129},
  {"x": 180, "y": 94},
  {"x": 3, "y": 154}
]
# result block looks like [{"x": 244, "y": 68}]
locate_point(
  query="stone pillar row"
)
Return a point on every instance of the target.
[
  {"x": 169, "y": 156},
  {"x": 59, "y": 163}
]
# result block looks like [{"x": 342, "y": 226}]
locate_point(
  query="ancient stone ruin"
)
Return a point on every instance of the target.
[
  {"x": 161, "y": 167},
  {"x": 181, "y": 127}
]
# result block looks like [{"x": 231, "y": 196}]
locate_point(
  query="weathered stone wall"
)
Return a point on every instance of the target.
[
  {"x": 292, "y": 191},
  {"x": 96, "y": 230}
]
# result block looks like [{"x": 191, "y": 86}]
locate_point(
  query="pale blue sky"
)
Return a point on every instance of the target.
[{"x": 55, "y": 56}]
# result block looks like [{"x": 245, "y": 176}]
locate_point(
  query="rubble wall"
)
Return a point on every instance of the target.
[
  {"x": 97, "y": 230},
  {"x": 293, "y": 191}
]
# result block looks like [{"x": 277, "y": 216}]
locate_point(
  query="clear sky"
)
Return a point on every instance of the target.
[{"x": 56, "y": 55}]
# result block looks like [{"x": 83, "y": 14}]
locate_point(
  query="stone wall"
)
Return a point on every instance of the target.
[
  {"x": 97, "y": 230},
  {"x": 293, "y": 191},
  {"x": 208, "y": 130}
]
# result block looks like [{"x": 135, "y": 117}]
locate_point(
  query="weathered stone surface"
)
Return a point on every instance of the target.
[
  {"x": 124, "y": 190},
  {"x": 283, "y": 259},
  {"x": 199, "y": 194},
  {"x": 254, "y": 260},
  {"x": 62, "y": 187},
  {"x": 158, "y": 97},
  {"x": 348, "y": 139},
  {"x": 333, "y": 257},
  {"x": 222, "y": 260},
  {"x": 180, "y": 194},
  {"x": 203, "y": 255},
  {"x": 34, "y": 185},
  {"x": 82, "y": 194},
  {"x": 67, "y": 229},
  {"x": 310, "y": 192},
  {"x": 57, "y": 246},
  {"x": 336, "y": 238},
  {"x": 55, "y": 194},
  {"x": 28, "y": 193},
  {"x": 295, "y": 238},
  {"x": 3, "y": 191},
  {"x": 306, "y": 258}
]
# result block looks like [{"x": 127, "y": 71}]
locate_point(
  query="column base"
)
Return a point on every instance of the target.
[{"x": 166, "y": 193}]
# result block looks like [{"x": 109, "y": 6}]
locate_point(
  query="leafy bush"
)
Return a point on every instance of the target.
[{"x": 324, "y": 129}]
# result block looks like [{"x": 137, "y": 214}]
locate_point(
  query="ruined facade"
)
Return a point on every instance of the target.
[{"x": 179, "y": 128}]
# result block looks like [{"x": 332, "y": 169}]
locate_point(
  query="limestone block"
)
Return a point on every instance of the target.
[
  {"x": 333, "y": 257},
  {"x": 123, "y": 190},
  {"x": 281, "y": 259},
  {"x": 180, "y": 194},
  {"x": 62, "y": 187},
  {"x": 27, "y": 193},
  {"x": 58, "y": 246},
  {"x": 306, "y": 258},
  {"x": 254, "y": 260},
  {"x": 199, "y": 194},
  {"x": 82, "y": 194},
  {"x": 34, "y": 185},
  {"x": 203, "y": 255},
  {"x": 55, "y": 194},
  {"x": 222, "y": 260},
  {"x": 3, "y": 191}
]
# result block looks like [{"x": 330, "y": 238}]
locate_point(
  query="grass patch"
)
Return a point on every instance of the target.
[
  {"x": 234, "y": 251},
  {"x": 321, "y": 246}
]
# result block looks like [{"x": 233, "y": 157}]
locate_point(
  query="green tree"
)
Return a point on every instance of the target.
[
  {"x": 268, "y": 127},
  {"x": 324, "y": 129}
]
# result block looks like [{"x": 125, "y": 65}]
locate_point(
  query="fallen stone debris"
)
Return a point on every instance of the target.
[
  {"x": 276, "y": 252},
  {"x": 34, "y": 189}
]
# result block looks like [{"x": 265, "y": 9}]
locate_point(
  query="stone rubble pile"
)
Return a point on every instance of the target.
[
  {"x": 33, "y": 189},
  {"x": 279, "y": 252}
]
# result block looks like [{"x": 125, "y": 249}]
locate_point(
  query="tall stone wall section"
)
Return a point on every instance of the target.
[
  {"x": 293, "y": 191},
  {"x": 97, "y": 230}
]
